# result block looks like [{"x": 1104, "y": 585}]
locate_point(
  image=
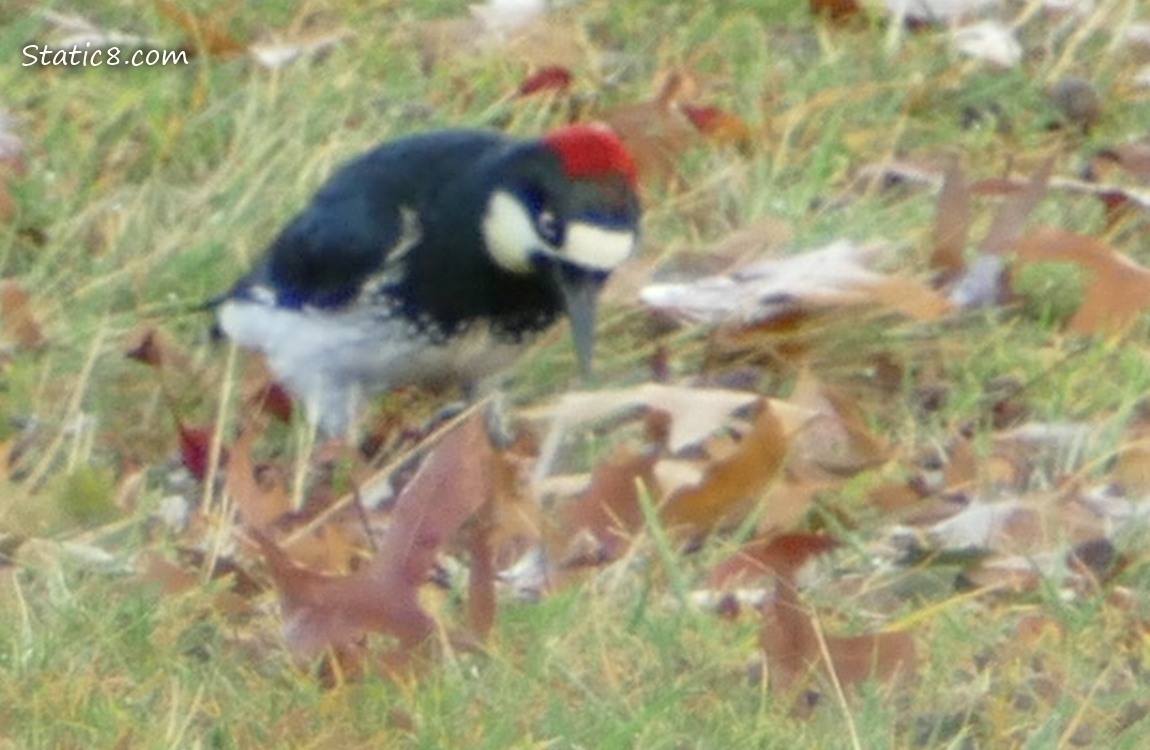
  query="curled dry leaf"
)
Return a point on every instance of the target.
[
  {"x": 838, "y": 275},
  {"x": 992, "y": 41},
  {"x": 694, "y": 413},
  {"x": 1117, "y": 289},
  {"x": 1026, "y": 526},
  {"x": 731, "y": 484}
]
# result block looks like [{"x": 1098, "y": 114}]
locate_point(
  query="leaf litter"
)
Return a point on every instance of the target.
[{"x": 1027, "y": 507}]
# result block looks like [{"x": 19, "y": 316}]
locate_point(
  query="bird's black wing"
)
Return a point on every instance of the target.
[{"x": 324, "y": 256}]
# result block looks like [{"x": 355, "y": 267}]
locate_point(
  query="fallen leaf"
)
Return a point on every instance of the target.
[
  {"x": 153, "y": 347},
  {"x": 657, "y": 132},
  {"x": 1117, "y": 289},
  {"x": 719, "y": 125},
  {"x": 992, "y": 41},
  {"x": 1023, "y": 526},
  {"x": 838, "y": 275},
  {"x": 938, "y": 12},
  {"x": 481, "y": 604},
  {"x": 836, "y": 10},
  {"x": 522, "y": 30},
  {"x": 835, "y": 441},
  {"x": 597, "y": 527},
  {"x": 780, "y": 555},
  {"x": 195, "y": 449},
  {"x": 169, "y": 577},
  {"x": 508, "y": 16},
  {"x": 952, "y": 224},
  {"x": 260, "y": 504},
  {"x": 327, "y": 613},
  {"x": 552, "y": 78},
  {"x": 1132, "y": 158},
  {"x": 207, "y": 35},
  {"x": 1011, "y": 217},
  {"x": 733, "y": 483},
  {"x": 694, "y": 413},
  {"x": 262, "y": 393},
  {"x": 794, "y": 648}
]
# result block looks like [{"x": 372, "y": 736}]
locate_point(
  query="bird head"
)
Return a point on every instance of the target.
[{"x": 566, "y": 210}]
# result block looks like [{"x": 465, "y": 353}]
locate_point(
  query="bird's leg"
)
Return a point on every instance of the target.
[{"x": 499, "y": 425}]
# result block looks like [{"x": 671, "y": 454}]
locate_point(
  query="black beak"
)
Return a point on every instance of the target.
[{"x": 580, "y": 288}]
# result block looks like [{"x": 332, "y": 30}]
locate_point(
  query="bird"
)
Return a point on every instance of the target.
[{"x": 436, "y": 259}]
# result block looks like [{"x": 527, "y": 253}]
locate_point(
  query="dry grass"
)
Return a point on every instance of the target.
[{"x": 148, "y": 190}]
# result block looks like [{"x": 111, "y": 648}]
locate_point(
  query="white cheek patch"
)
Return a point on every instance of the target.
[
  {"x": 509, "y": 232},
  {"x": 595, "y": 247}
]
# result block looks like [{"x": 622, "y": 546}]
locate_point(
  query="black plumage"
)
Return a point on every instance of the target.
[{"x": 408, "y": 249}]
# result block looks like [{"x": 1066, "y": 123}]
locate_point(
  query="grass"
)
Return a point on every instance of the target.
[{"x": 149, "y": 190}]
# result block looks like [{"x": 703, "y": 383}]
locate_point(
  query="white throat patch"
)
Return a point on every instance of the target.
[
  {"x": 593, "y": 246},
  {"x": 511, "y": 238}
]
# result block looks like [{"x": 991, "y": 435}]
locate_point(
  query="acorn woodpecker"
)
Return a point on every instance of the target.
[{"x": 436, "y": 259}]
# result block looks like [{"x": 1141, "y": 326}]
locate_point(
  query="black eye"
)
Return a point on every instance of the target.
[{"x": 549, "y": 227}]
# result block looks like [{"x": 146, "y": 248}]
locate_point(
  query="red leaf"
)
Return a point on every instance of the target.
[
  {"x": 836, "y": 10},
  {"x": 196, "y": 449},
  {"x": 781, "y": 555},
  {"x": 718, "y": 124},
  {"x": 146, "y": 350},
  {"x": 272, "y": 398},
  {"x": 551, "y": 78}
]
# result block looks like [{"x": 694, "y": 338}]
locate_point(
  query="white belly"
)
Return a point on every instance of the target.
[{"x": 332, "y": 360}]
